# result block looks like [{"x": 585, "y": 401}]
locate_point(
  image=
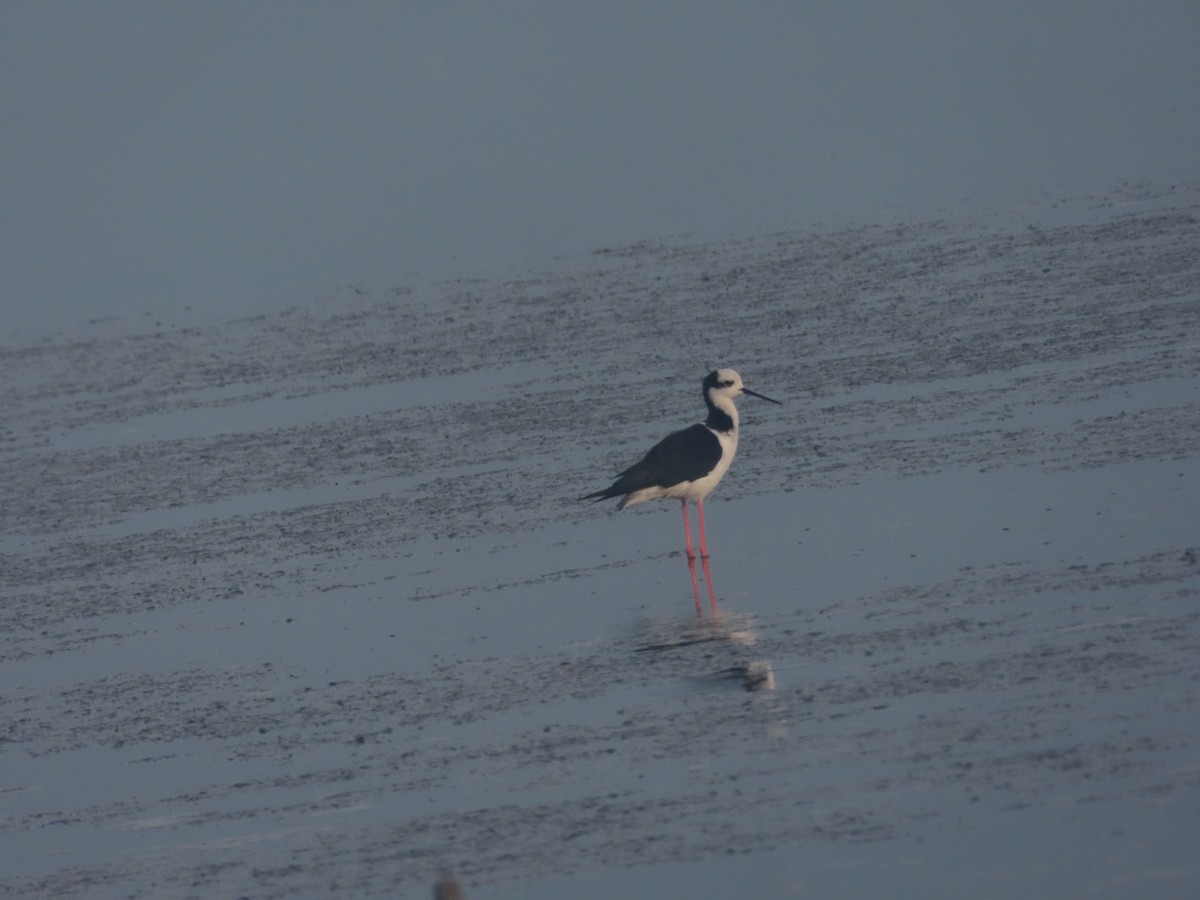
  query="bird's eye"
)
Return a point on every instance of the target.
[{"x": 728, "y": 382}]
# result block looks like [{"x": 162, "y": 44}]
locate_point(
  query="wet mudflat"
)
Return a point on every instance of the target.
[{"x": 302, "y": 604}]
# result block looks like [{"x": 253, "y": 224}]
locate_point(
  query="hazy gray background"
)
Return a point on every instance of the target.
[{"x": 231, "y": 157}]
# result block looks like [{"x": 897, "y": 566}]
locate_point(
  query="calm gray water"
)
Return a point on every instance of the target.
[{"x": 302, "y": 604}]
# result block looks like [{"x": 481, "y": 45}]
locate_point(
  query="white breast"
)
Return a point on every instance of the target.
[{"x": 702, "y": 487}]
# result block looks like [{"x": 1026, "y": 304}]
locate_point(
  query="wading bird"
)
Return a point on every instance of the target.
[{"x": 688, "y": 464}]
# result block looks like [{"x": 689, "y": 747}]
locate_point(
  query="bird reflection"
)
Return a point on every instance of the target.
[
  {"x": 735, "y": 632},
  {"x": 732, "y": 629}
]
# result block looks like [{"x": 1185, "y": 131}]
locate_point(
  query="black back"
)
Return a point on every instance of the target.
[{"x": 681, "y": 456}]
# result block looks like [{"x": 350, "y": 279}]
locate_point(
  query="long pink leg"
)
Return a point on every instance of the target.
[
  {"x": 712, "y": 595},
  {"x": 687, "y": 532},
  {"x": 703, "y": 538},
  {"x": 691, "y": 557},
  {"x": 695, "y": 583}
]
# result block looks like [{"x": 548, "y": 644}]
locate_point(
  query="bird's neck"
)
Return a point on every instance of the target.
[{"x": 722, "y": 416}]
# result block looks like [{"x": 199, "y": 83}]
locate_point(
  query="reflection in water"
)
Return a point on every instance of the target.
[
  {"x": 717, "y": 656},
  {"x": 672, "y": 634},
  {"x": 756, "y": 675},
  {"x": 734, "y": 631}
]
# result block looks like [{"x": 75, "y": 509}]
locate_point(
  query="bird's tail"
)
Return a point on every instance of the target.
[{"x": 607, "y": 494}]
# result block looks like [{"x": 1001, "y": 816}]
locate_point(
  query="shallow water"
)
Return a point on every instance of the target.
[{"x": 302, "y": 604}]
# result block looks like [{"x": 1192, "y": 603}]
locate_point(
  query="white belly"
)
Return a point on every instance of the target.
[{"x": 691, "y": 490}]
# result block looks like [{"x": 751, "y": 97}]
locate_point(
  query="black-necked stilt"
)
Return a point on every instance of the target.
[{"x": 688, "y": 464}]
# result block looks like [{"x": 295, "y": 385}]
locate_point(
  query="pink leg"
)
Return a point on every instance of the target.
[
  {"x": 696, "y": 584},
  {"x": 712, "y": 595},
  {"x": 703, "y": 539},
  {"x": 691, "y": 557},
  {"x": 687, "y": 532}
]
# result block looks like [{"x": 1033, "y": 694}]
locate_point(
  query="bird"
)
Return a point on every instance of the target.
[{"x": 688, "y": 464}]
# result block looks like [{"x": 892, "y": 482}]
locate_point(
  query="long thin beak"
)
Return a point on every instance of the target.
[{"x": 760, "y": 396}]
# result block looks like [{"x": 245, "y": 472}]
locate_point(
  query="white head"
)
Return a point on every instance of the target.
[{"x": 722, "y": 386}]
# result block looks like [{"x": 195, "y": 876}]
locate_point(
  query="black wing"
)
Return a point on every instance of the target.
[{"x": 681, "y": 456}]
